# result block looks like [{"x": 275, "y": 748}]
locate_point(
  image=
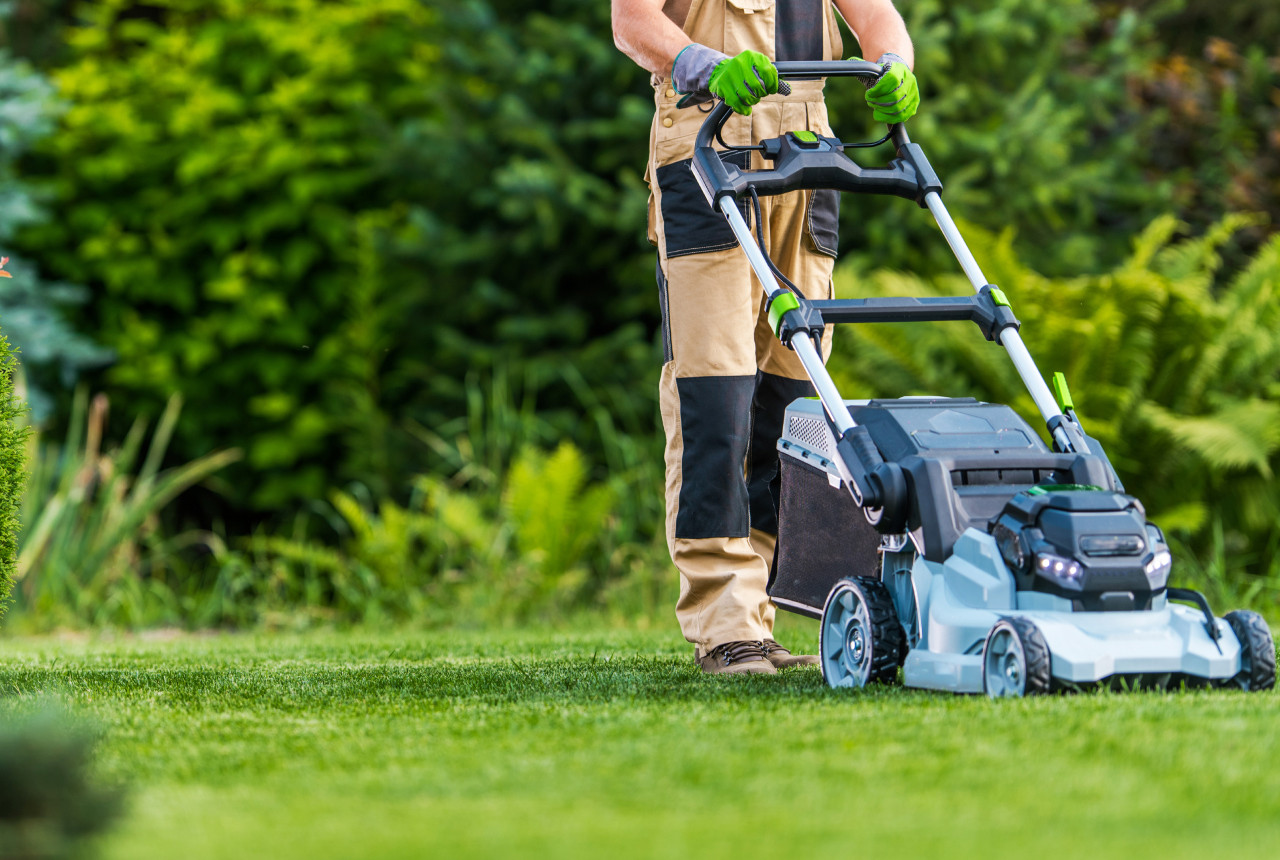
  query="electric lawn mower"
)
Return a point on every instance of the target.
[{"x": 942, "y": 535}]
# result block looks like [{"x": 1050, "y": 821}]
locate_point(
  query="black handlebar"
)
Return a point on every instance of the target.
[
  {"x": 832, "y": 69},
  {"x": 826, "y": 166}
]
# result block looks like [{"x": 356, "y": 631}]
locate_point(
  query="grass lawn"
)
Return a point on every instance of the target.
[{"x": 609, "y": 744}]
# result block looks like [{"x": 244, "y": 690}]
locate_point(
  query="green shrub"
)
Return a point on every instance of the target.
[
  {"x": 514, "y": 534},
  {"x": 538, "y": 547},
  {"x": 49, "y": 805},
  {"x": 322, "y": 223},
  {"x": 32, "y": 28},
  {"x": 1219, "y": 138},
  {"x": 314, "y": 219},
  {"x": 1184, "y": 25},
  {"x": 32, "y": 309},
  {"x": 13, "y": 440},
  {"x": 318, "y": 220},
  {"x": 1176, "y": 377},
  {"x": 1027, "y": 116},
  {"x": 211, "y": 172}
]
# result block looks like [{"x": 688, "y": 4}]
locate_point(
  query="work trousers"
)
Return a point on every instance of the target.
[{"x": 726, "y": 379}]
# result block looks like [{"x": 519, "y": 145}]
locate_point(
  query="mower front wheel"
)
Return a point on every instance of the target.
[
  {"x": 1257, "y": 651},
  {"x": 1015, "y": 660},
  {"x": 861, "y": 638}
]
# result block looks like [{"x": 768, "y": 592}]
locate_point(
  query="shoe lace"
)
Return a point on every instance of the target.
[
  {"x": 737, "y": 652},
  {"x": 770, "y": 645}
]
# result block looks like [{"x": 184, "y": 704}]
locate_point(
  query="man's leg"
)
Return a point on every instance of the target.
[
  {"x": 712, "y": 306},
  {"x": 706, "y": 395}
]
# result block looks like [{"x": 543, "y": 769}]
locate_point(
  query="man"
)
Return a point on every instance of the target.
[{"x": 726, "y": 380}]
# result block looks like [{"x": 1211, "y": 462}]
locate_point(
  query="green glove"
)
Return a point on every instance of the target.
[
  {"x": 895, "y": 96},
  {"x": 743, "y": 80}
]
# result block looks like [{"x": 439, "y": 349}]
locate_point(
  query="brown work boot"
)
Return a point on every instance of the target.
[
  {"x": 736, "y": 658},
  {"x": 782, "y": 658}
]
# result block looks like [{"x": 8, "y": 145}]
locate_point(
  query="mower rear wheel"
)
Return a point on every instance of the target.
[
  {"x": 861, "y": 638},
  {"x": 1257, "y": 651},
  {"x": 1015, "y": 660}
]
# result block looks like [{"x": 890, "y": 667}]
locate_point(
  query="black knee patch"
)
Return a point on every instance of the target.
[
  {"x": 772, "y": 396},
  {"x": 715, "y": 423}
]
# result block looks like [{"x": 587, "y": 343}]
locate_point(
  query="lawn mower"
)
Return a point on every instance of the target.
[{"x": 942, "y": 535}]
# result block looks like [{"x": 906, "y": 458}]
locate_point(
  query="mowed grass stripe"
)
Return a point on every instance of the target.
[{"x": 536, "y": 742}]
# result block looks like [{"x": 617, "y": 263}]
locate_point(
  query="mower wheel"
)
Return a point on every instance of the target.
[
  {"x": 1257, "y": 651},
  {"x": 861, "y": 638},
  {"x": 1015, "y": 660}
]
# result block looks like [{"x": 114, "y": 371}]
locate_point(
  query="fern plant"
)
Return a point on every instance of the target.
[
  {"x": 526, "y": 546},
  {"x": 556, "y": 518},
  {"x": 1174, "y": 365}
]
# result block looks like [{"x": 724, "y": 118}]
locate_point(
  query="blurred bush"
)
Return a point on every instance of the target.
[
  {"x": 32, "y": 309},
  {"x": 1080, "y": 121},
  {"x": 313, "y": 220},
  {"x": 339, "y": 230},
  {"x": 90, "y": 547},
  {"x": 1027, "y": 115},
  {"x": 531, "y": 550},
  {"x": 1219, "y": 117},
  {"x": 49, "y": 805},
  {"x": 1185, "y": 25},
  {"x": 509, "y": 533},
  {"x": 13, "y": 442},
  {"x": 32, "y": 29}
]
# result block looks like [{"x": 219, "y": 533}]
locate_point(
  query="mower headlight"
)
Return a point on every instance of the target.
[
  {"x": 1157, "y": 568},
  {"x": 1066, "y": 572}
]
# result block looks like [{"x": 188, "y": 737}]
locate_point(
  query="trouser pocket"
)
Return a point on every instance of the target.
[
  {"x": 822, "y": 221},
  {"x": 688, "y": 222}
]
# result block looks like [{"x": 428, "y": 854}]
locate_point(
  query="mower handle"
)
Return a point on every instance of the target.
[
  {"x": 829, "y": 69},
  {"x": 793, "y": 69},
  {"x": 908, "y": 176},
  {"x": 811, "y": 161}
]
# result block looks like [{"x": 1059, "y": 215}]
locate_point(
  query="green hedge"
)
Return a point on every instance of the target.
[
  {"x": 315, "y": 219},
  {"x": 1027, "y": 116},
  {"x": 13, "y": 440},
  {"x": 321, "y": 222},
  {"x": 32, "y": 308}
]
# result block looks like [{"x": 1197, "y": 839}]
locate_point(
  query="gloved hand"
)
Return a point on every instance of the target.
[
  {"x": 895, "y": 96},
  {"x": 700, "y": 72},
  {"x": 743, "y": 80}
]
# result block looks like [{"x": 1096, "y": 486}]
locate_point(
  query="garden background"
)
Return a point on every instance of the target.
[
  {"x": 334, "y": 313},
  {"x": 336, "y": 352}
]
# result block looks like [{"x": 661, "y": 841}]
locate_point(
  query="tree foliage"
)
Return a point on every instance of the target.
[
  {"x": 322, "y": 222},
  {"x": 314, "y": 219},
  {"x": 1027, "y": 116},
  {"x": 32, "y": 309}
]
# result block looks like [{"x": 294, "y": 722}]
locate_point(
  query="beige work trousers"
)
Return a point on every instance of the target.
[{"x": 727, "y": 379}]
